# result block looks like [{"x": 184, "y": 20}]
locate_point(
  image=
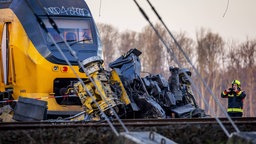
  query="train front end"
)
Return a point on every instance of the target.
[{"x": 34, "y": 61}]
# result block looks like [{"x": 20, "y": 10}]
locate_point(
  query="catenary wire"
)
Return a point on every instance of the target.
[
  {"x": 189, "y": 61},
  {"x": 175, "y": 59},
  {"x": 82, "y": 67},
  {"x": 65, "y": 58}
]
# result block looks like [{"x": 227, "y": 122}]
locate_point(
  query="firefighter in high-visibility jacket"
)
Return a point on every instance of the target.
[{"x": 235, "y": 99}]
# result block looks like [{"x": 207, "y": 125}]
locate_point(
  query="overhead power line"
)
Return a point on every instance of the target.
[
  {"x": 176, "y": 60},
  {"x": 226, "y": 9}
]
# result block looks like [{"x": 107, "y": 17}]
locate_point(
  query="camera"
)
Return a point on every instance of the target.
[{"x": 231, "y": 89}]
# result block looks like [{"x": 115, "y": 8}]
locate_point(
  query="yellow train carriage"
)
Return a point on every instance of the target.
[{"x": 30, "y": 64}]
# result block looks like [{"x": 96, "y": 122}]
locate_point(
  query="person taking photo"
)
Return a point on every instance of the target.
[{"x": 235, "y": 99}]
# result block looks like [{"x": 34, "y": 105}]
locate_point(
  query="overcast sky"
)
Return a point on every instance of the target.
[{"x": 232, "y": 19}]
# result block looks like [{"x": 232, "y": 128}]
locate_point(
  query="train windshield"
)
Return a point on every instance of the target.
[{"x": 74, "y": 31}]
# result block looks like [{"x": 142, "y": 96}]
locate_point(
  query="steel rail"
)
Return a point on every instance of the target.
[{"x": 127, "y": 122}]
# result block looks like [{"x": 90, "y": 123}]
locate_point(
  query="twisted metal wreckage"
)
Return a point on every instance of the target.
[
  {"x": 124, "y": 92},
  {"x": 153, "y": 96}
]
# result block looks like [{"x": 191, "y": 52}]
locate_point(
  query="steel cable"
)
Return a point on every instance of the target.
[
  {"x": 198, "y": 74},
  {"x": 177, "y": 61},
  {"x": 53, "y": 24}
]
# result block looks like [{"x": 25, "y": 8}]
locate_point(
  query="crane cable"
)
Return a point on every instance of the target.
[
  {"x": 53, "y": 24},
  {"x": 100, "y": 8},
  {"x": 189, "y": 61},
  {"x": 80, "y": 64},
  {"x": 176, "y": 60},
  {"x": 198, "y": 74},
  {"x": 224, "y": 14}
]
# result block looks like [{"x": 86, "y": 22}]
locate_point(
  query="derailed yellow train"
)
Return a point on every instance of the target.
[
  {"x": 31, "y": 65},
  {"x": 51, "y": 51}
]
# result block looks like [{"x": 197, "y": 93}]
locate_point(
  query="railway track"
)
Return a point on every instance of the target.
[
  {"x": 127, "y": 122},
  {"x": 199, "y": 130}
]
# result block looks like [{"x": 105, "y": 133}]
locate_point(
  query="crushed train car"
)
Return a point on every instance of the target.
[
  {"x": 153, "y": 96},
  {"x": 124, "y": 92}
]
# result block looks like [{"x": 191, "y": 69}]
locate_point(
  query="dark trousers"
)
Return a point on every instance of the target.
[{"x": 235, "y": 114}]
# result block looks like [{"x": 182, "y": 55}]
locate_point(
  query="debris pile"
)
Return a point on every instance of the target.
[{"x": 124, "y": 93}]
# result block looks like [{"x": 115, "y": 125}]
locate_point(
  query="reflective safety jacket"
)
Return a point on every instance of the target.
[{"x": 235, "y": 100}]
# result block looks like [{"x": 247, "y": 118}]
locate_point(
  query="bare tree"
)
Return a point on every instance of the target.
[
  {"x": 217, "y": 66},
  {"x": 128, "y": 41},
  {"x": 209, "y": 47},
  {"x": 241, "y": 66},
  {"x": 247, "y": 53},
  {"x": 109, "y": 36},
  {"x": 152, "y": 49},
  {"x": 187, "y": 46}
]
